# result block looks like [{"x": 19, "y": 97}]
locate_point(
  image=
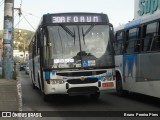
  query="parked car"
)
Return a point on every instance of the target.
[
  {"x": 23, "y": 65},
  {"x": 27, "y": 69}
]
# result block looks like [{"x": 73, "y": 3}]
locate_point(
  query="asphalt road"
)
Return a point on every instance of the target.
[{"x": 109, "y": 101}]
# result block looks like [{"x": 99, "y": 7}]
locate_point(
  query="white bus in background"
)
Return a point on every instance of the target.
[
  {"x": 137, "y": 48},
  {"x": 72, "y": 53}
]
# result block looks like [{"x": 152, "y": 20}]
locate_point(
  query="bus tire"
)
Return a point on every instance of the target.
[
  {"x": 95, "y": 96},
  {"x": 33, "y": 85},
  {"x": 39, "y": 83},
  {"x": 119, "y": 86},
  {"x": 46, "y": 98}
]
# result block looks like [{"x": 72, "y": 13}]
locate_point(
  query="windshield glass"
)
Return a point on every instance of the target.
[{"x": 74, "y": 46}]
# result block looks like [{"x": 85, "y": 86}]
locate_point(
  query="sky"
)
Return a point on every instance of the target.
[{"x": 118, "y": 11}]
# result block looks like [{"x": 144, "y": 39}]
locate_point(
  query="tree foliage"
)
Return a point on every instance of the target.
[{"x": 21, "y": 38}]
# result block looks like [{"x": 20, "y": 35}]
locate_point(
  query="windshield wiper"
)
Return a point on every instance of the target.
[
  {"x": 74, "y": 36},
  {"x": 89, "y": 29},
  {"x": 84, "y": 34},
  {"x": 69, "y": 32}
]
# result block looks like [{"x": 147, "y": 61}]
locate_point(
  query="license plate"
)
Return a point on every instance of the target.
[{"x": 108, "y": 84}]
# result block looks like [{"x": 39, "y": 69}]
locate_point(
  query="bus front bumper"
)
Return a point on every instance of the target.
[{"x": 78, "y": 89}]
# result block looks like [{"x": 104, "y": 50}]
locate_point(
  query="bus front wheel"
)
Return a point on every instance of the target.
[
  {"x": 119, "y": 86},
  {"x": 33, "y": 86}
]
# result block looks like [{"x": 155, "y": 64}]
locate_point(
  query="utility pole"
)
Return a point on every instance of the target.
[{"x": 8, "y": 40}]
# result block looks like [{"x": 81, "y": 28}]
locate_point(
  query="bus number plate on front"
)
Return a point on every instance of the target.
[{"x": 108, "y": 84}]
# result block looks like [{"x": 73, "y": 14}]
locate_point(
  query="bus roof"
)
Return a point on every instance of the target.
[{"x": 138, "y": 21}]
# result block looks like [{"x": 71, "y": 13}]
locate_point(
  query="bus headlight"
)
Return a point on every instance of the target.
[
  {"x": 57, "y": 81},
  {"x": 108, "y": 78}
]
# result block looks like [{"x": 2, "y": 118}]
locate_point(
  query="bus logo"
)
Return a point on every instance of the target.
[{"x": 82, "y": 78}]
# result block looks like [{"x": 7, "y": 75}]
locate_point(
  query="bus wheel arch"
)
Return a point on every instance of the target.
[{"x": 119, "y": 84}]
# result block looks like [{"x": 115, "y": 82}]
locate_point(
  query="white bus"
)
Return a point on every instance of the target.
[
  {"x": 72, "y": 53},
  {"x": 137, "y": 48}
]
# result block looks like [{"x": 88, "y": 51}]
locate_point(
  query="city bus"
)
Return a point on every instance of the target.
[
  {"x": 137, "y": 55},
  {"x": 72, "y": 53}
]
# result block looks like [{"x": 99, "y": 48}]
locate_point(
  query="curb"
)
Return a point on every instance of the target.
[{"x": 19, "y": 91}]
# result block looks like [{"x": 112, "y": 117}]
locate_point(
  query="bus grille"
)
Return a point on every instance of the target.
[
  {"x": 81, "y": 73},
  {"x": 85, "y": 81},
  {"x": 82, "y": 90}
]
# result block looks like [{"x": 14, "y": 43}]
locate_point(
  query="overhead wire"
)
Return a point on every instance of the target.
[
  {"x": 24, "y": 17},
  {"x": 19, "y": 21},
  {"x": 31, "y": 14},
  {"x": 21, "y": 14},
  {"x": 1, "y": 3},
  {"x": 28, "y": 22},
  {"x": 15, "y": 16}
]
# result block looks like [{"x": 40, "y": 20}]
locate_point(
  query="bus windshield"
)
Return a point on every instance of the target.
[{"x": 74, "y": 46}]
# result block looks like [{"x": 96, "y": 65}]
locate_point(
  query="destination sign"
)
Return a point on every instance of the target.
[{"x": 76, "y": 18}]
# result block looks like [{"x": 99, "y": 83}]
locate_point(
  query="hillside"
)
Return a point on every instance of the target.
[
  {"x": 21, "y": 38},
  {"x": 1, "y": 33}
]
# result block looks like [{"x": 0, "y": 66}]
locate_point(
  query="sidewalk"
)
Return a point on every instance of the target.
[{"x": 10, "y": 96}]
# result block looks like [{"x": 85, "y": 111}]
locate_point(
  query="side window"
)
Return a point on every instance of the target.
[
  {"x": 119, "y": 42},
  {"x": 34, "y": 47},
  {"x": 155, "y": 45},
  {"x": 137, "y": 47},
  {"x": 131, "y": 40},
  {"x": 38, "y": 43},
  {"x": 30, "y": 50},
  {"x": 149, "y": 36},
  {"x": 45, "y": 49}
]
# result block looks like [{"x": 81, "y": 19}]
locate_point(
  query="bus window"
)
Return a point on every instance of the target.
[
  {"x": 137, "y": 47},
  {"x": 156, "y": 40},
  {"x": 151, "y": 32},
  {"x": 131, "y": 40},
  {"x": 119, "y": 42}
]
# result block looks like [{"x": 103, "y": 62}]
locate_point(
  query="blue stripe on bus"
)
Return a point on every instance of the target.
[
  {"x": 100, "y": 77},
  {"x": 53, "y": 73},
  {"x": 47, "y": 75},
  {"x": 128, "y": 63}
]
